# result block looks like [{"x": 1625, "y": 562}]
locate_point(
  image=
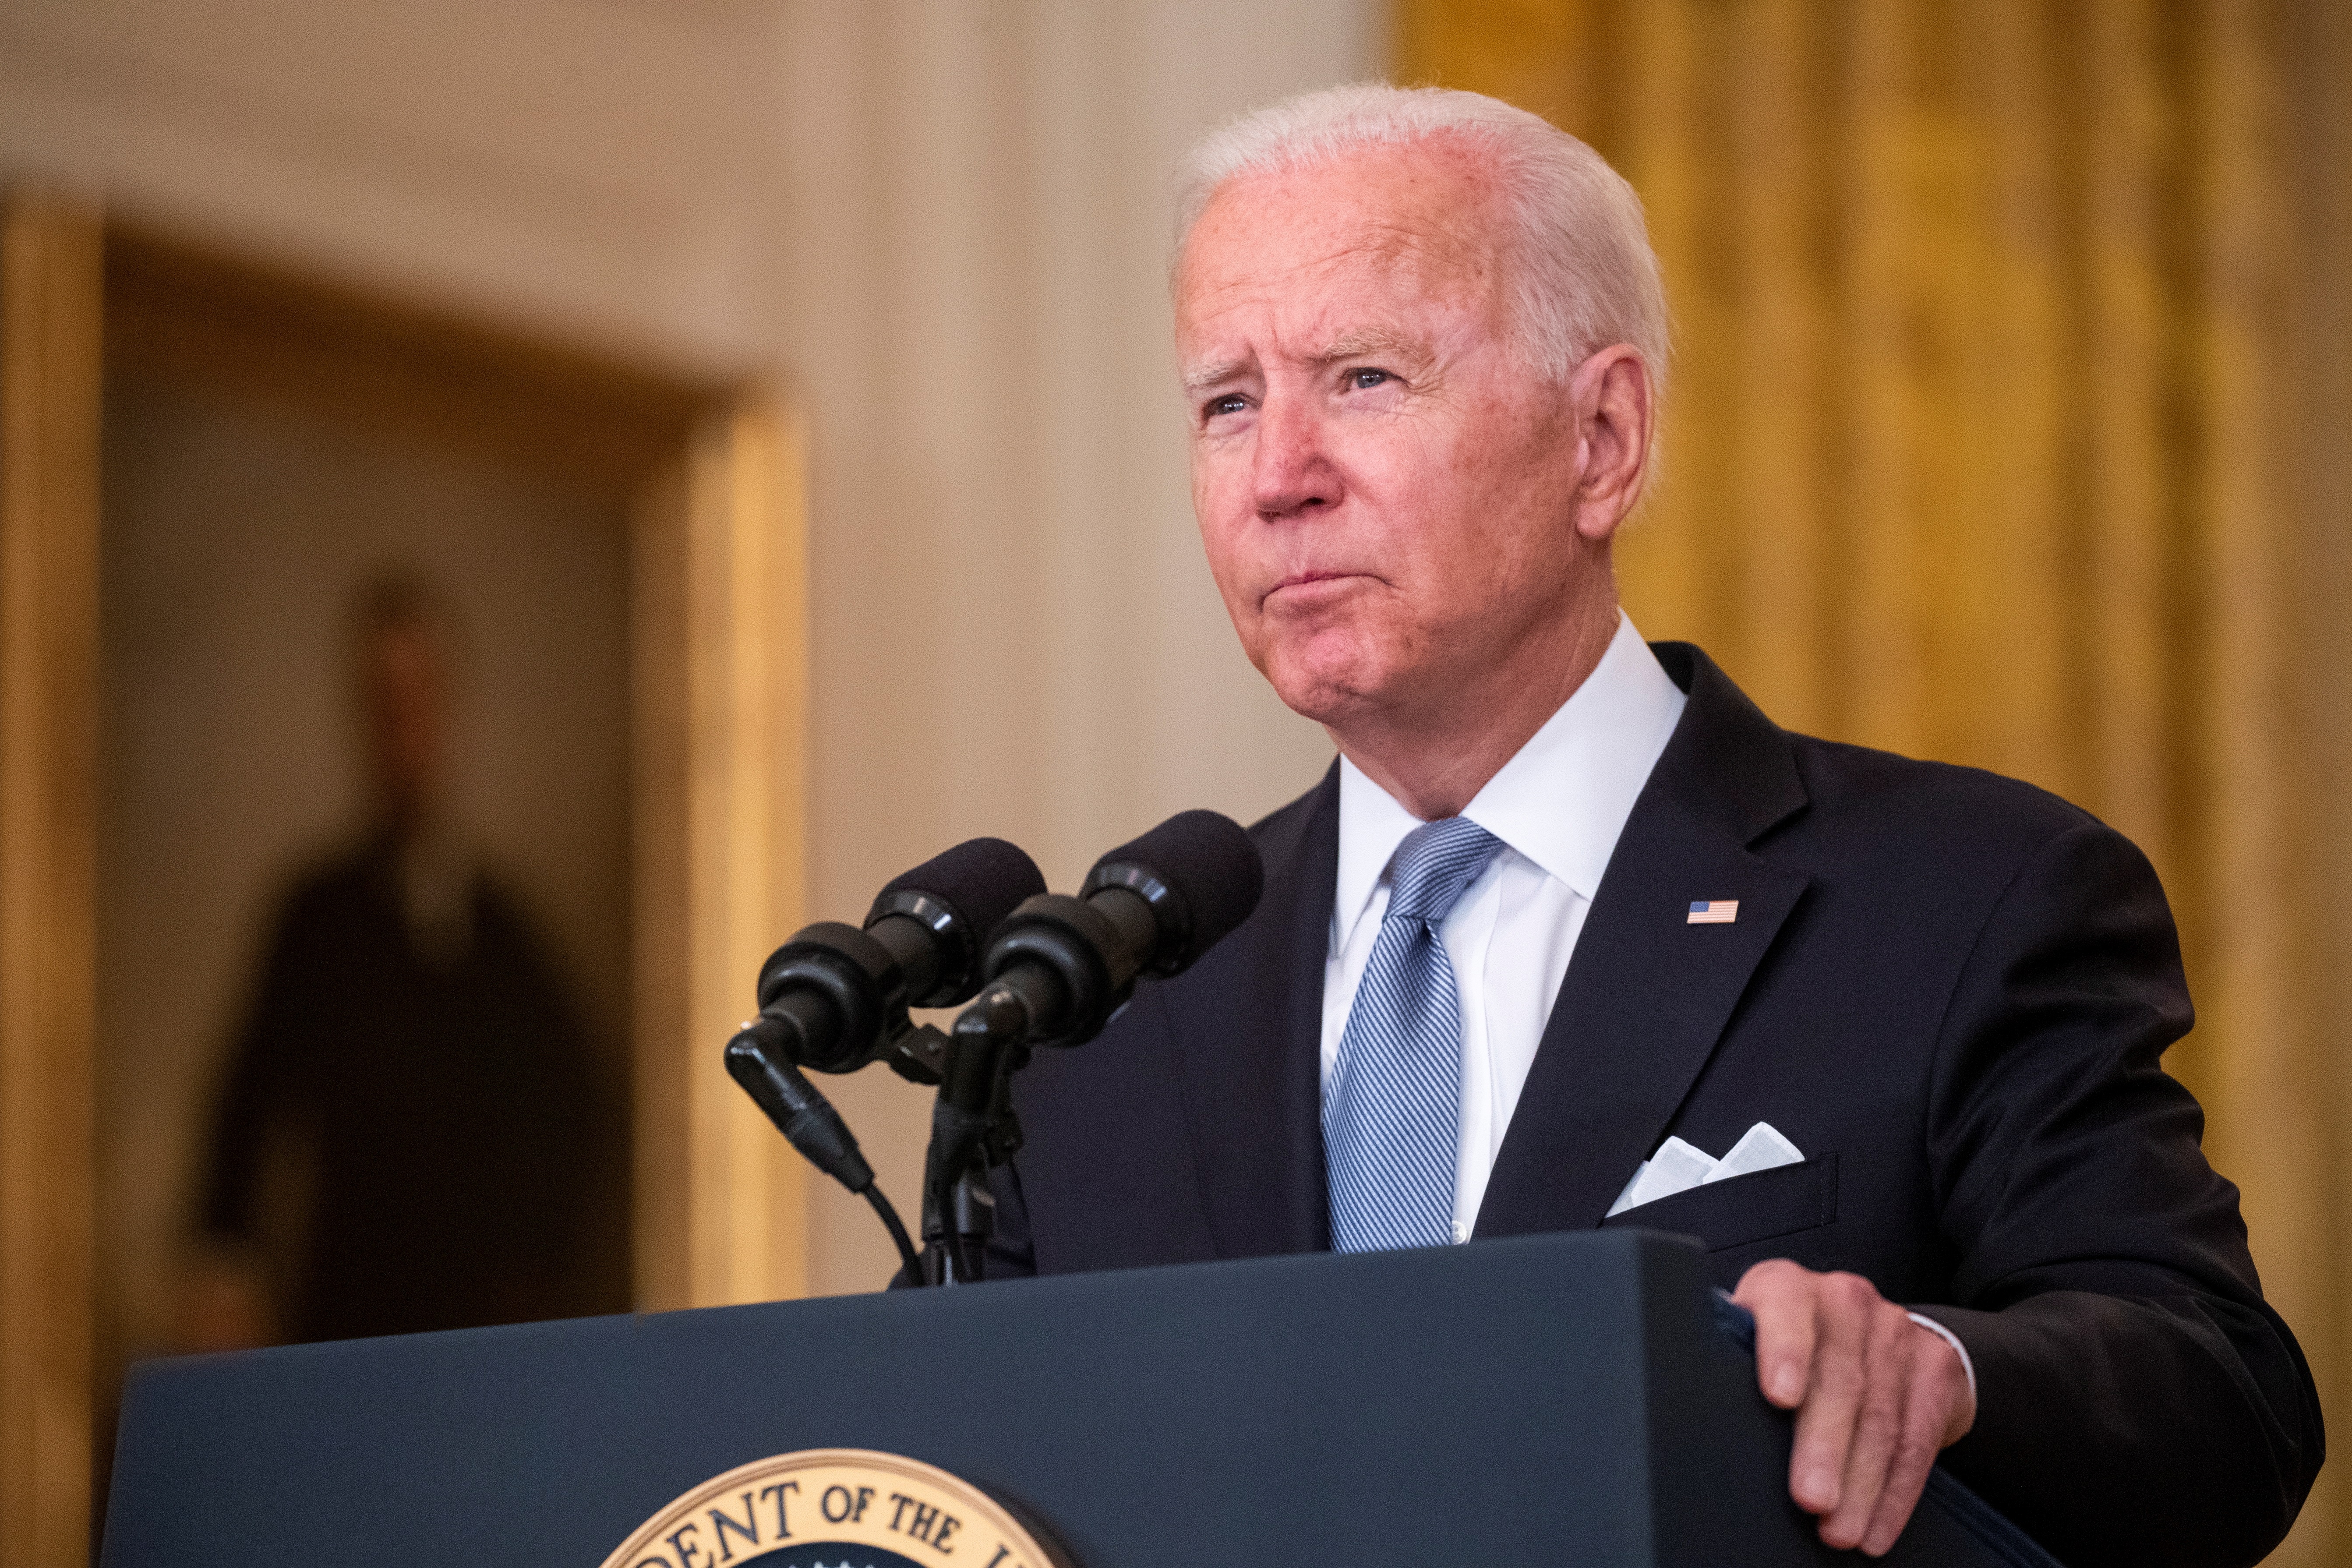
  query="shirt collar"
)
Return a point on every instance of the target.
[{"x": 1561, "y": 801}]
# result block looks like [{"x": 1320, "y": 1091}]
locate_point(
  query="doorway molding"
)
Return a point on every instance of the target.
[{"x": 713, "y": 474}]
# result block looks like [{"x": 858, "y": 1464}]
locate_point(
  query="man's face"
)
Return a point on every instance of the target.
[
  {"x": 1384, "y": 488},
  {"x": 405, "y": 700}
]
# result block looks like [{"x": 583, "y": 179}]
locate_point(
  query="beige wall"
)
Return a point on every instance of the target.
[{"x": 941, "y": 223}]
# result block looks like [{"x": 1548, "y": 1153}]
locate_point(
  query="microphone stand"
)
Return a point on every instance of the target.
[
  {"x": 1063, "y": 965},
  {"x": 1060, "y": 969},
  {"x": 973, "y": 1129}
]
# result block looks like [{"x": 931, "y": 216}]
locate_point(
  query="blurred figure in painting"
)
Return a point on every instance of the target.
[{"x": 411, "y": 1133}]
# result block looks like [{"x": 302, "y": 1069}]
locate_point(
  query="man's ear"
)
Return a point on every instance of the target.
[{"x": 1610, "y": 395}]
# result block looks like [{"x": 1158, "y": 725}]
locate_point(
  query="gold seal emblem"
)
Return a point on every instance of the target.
[{"x": 836, "y": 1508}]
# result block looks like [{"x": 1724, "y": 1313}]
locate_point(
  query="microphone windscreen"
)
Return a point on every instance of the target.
[
  {"x": 980, "y": 879},
  {"x": 1211, "y": 863}
]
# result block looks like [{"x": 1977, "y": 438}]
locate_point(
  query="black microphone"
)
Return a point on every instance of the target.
[
  {"x": 1152, "y": 907},
  {"x": 839, "y": 996},
  {"x": 1057, "y": 968},
  {"x": 835, "y": 997}
]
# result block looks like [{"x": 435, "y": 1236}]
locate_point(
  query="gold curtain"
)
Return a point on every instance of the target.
[{"x": 2009, "y": 426}]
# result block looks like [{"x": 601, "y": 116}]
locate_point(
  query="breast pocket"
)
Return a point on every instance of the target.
[{"x": 1755, "y": 1207}]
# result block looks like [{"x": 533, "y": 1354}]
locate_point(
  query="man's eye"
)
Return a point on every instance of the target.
[
  {"x": 1366, "y": 378},
  {"x": 1231, "y": 403}
]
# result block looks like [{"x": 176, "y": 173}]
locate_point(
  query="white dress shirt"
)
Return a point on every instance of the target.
[{"x": 1557, "y": 806}]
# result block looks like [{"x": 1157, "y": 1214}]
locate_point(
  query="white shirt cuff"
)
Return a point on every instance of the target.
[{"x": 1952, "y": 1339}]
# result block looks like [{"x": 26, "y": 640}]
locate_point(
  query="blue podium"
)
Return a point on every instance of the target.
[{"x": 1562, "y": 1399}]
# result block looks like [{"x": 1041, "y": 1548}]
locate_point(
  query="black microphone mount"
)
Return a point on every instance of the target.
[{"x": 839, "y": 996}]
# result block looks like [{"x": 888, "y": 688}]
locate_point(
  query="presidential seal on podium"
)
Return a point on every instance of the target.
[{"x": 838, "y": 1508}]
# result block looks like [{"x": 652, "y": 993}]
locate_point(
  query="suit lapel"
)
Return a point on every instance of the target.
[
  {"x": 1647, "y": 995},
  {"x": 1250, "y": 1044}
]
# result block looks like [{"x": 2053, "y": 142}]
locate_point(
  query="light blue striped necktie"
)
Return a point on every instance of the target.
[{"x": 1393, "y": 1114}]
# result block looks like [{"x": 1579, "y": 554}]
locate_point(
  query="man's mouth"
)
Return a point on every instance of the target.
[{"x": 1312, "y": 584}]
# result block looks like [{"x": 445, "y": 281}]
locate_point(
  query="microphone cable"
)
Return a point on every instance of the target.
[{"x": 758, "y": 1059}]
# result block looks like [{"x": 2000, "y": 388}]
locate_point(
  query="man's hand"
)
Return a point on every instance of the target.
[{"x": 1876, "y": 1397}]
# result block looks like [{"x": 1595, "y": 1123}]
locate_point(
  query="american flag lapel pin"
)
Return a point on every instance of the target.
[{"x": 1713, "y": 912}]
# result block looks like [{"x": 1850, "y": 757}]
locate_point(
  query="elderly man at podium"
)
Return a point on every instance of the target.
[{"x": 1571, "y": 934}]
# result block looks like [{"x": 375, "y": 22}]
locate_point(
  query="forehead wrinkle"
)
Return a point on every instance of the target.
[
  {"x": 1433, "y": 248},
  {"x": 1437, "y": 243},
  {"x": 1448, "y": 269},
  {"x": 1439, "y": 261},
  {"x": 1452, "y": 266}
]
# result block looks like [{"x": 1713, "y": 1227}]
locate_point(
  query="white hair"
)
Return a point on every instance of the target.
[{"x": 1585, "y": 276}]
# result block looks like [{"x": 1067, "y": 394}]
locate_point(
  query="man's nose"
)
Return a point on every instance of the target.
[{"x": 1292, "y": 475}]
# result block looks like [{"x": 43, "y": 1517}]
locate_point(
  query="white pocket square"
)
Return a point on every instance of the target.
[{"x": 1677, "y": 1166}]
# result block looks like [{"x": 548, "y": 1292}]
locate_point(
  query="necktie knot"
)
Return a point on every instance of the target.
[{"x": 1436, "y": 866}]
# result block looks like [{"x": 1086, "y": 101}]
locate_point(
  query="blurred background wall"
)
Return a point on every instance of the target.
[{"x": 2012, "y": 423}]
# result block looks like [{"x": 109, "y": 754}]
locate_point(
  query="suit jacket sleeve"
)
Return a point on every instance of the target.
[{"x": 2138, "y": 1402}]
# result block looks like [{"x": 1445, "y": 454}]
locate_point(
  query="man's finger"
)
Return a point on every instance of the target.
[
  {"x": 1825, "y": 1424},
  {"x": 1780, "y": 1296},
  {"x": 1878, "y": 1427},
  {"x": 1939, "y": 1389},
  {"x": 1906, "y": 1477}
]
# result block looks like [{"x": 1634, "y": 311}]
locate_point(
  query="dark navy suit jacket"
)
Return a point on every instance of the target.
[{"x": 1949, "y": 989}]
